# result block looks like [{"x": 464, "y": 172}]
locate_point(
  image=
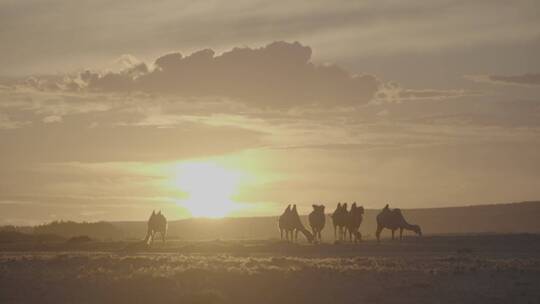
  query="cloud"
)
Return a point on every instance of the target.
[
  {"x": 279, "y": 74},
  {"x": 52, "y": 119},
  {"x": 6, "y": 122},
  {"x": 523, "y": 80},
  {"x": 392, "y": 92},
  {"x": 75, "y": 140},
  {"x": 368, "y": 27}
]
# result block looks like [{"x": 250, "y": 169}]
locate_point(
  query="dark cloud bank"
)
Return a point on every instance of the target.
[{"x": 279, "y": 74}]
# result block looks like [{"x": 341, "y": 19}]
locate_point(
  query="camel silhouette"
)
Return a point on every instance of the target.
[
  {"x": 289, "y": 222},
  {"x": 394, "y": 220},
  {"x": 157, "y": 223},
  {"x": 284, "y": 223},
  {"x": 317, "y": 220},
  {"x": 339, "y": 219},
  {"x": 353, "y": 220}
]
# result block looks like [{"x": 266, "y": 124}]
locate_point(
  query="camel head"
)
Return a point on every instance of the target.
[
  {"x": 344, "y": 206},
  {"x": 360, "y": 210},
  {"x": 318, "y": 208},
  {"x": 416, "y": 230},
  {"x": 309, "y": 236}
]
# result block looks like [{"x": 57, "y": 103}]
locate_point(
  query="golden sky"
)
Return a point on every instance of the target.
[{"x": 109, "y": 109}]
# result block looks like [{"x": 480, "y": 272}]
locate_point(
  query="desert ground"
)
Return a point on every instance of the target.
[{"x": 484, "y": 268}]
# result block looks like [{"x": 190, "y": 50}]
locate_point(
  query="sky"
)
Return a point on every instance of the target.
[{"x": 111, "y": 109}]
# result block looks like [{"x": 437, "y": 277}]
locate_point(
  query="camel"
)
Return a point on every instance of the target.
[
  {"x": 317, "y": 220},
  {"x": 289, "y": 222},
  {"x": 338, "y": 219},
  {"x": 284, "y": 223},
  {"x": 394, "y": 220},
  {"x": 353, "y": 220},
  {"x": 156, "y": 223}
]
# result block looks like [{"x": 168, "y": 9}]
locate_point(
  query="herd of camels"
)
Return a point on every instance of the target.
[{"x": 346, "y": 222}]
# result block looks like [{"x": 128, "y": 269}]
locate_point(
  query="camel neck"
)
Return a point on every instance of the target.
[{"x": 406, "y": 225}]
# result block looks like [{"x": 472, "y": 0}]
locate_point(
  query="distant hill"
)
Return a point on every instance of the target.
[
  {"x": 11, "y": 236},
  {"x": 69, "y": 229},
  {"x": 498, "y": 218}
]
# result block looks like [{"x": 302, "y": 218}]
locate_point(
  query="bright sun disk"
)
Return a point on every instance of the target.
[{"x": 209, "y": 188}]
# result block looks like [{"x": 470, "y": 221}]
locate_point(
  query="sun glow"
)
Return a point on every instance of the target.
[{"x": 209, "y": 188}]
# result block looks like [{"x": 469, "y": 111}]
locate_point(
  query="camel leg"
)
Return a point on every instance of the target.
[
  {"x": 393, "y": 236},
  {"x": 400, "y": 234},
  {"x": 281, "y": 234},
  {"x": 378, "y": 232}
]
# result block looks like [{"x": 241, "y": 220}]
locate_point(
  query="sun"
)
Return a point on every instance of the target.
[{"x": 209, "y": 188}]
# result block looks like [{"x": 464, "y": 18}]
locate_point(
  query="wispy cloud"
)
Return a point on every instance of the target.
[{"x": 520, "y": 80}]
